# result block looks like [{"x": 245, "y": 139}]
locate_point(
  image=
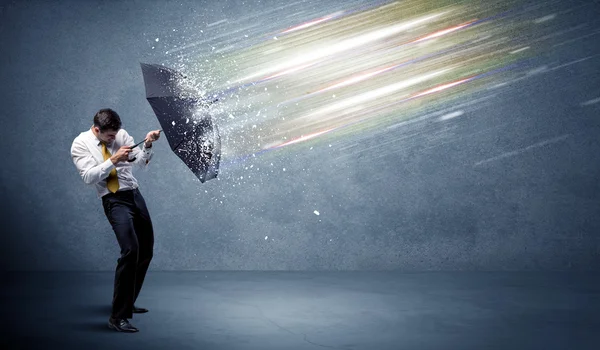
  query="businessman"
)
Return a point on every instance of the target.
[{"x": 105, "y": 157}]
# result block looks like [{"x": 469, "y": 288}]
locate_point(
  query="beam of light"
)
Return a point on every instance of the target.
[
  {"x": 365, "y": 76},
  {"x": 443, "y": 32},
  {"x": 423, "y": 93},
  {"x": 300, "y": 139},
  {"x": 370, "y": 67},
  {"x": 457, "y": 48},
  {"x": 356, "y": 79},
  {"x": 344, "y": 45},
  {"x": 371, "y": 95},
  {"x": 362, "y": 77},
  {"x": 312, "y": 23},
  {"x": 414, "y": 96},
  {"x": 449, "y": 85},
  {"x": 285, "y": 72},
  {"x": 440, "y": 88}
]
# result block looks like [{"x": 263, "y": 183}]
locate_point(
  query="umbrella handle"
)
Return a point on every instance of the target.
[{"x": 137, "y": 144}]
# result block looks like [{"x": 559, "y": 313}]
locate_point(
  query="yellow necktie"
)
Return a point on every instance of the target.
[{"x": 112, "y": 183}]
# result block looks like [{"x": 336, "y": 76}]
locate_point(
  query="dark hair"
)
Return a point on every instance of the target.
[{"x": 107, "y": 119}]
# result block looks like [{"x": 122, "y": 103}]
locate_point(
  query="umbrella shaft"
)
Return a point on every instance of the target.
[{"x": 139, "y": 143}]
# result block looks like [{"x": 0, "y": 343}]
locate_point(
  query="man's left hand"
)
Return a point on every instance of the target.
[{"x": 151, "y": 137}]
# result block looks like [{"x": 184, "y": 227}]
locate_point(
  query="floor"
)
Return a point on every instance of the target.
[{"x": 308, "y": 310}]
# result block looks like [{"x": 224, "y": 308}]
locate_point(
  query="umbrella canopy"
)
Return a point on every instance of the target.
[{"x": 188, "y": 127}]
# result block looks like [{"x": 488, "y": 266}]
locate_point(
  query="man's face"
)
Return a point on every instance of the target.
[{"x": 107, "y": 136}]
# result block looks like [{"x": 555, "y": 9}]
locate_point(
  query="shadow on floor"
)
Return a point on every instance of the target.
[
  {"x": 91, "y": 326},
  {"x": 93, "y": 310}
]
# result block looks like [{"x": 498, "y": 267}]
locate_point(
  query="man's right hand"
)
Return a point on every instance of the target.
[{"x": 121, "y": 155}]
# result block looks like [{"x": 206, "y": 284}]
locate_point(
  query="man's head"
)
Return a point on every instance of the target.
[{"x": 106, "y": 125}]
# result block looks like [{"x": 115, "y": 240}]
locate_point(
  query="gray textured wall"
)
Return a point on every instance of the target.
[{"x": 510, "y": 184}]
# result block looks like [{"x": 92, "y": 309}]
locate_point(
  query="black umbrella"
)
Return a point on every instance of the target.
[{"x": 183, "y": 116}]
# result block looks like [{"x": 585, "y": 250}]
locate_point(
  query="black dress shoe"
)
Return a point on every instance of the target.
[
  {"x": 121, "y": 325},
  {"x": 139, "y": 310}
]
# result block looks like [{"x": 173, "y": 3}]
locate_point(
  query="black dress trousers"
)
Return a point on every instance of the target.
[{"x": 127, "y": 213}]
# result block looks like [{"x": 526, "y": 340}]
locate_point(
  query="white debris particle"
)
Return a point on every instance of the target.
[
  {"x": 316, "y": 212},
  {"x": 591, "y": 102},
  {"x": 545, "y": 18},
  {"x": 283, "y": 169},
  {"x": 538, "y": 70},
  {"x": 156, "y": 39},
  {"x": 519, "y": 50},
  {"x": 451, "y": 115},
  {"x": 274, "y": 38},
  {"x": 173, "y": 122},
  {"x": 266, "y": 237},
  {"x": 187, "y": 120}
]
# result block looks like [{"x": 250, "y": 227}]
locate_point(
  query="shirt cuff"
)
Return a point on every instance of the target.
[
  {"x": 147, "y": 150},
  {"x": 107, "y": 166}
]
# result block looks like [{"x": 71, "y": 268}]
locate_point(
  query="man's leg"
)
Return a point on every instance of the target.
[
  {"x": 145, "y": 237},
  {"x": 119, "y": 210}
]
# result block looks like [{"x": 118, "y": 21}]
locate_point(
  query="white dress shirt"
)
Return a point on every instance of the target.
[{"x": 86, "y": 152}]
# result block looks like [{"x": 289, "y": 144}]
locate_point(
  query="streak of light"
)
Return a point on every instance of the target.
[
  {"x": 344, "y": 45},
  {"x": 443, "y": 32},
  {"x": 302, "y": 138},
  {"x": 371, "y": 95},
  {"x": 312, "y": 23},
  {"x": 524, "y": 149},
  {"x": 440, "y": 88},
  {"x": 356, "y": 79}
]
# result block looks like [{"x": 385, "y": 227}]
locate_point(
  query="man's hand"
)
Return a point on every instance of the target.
[
  {"x": 151, "y": 137},
  {"x": 121, "y": 155}
]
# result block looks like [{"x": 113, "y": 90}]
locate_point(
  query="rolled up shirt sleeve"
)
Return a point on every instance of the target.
[{"x": 90, "y": 172}]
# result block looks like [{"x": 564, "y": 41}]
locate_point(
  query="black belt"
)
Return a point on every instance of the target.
[{"x": 121, "y": 193}]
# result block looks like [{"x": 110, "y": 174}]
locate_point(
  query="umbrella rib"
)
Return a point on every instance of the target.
[{"x": 176, "y": 147}]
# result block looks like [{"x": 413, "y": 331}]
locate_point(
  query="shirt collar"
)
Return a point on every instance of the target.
[{"x": 96, "y": 140}]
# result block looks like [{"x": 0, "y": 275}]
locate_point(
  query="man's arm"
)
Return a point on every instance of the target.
[
  {"x": 142, "y": 153},
  {"x": 90, "y": 172}
]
